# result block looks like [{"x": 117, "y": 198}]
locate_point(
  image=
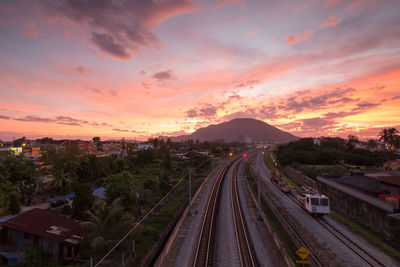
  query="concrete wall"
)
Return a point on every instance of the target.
[{"x": 370, "y": 212}]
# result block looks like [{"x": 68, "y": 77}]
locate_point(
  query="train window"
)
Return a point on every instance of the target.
[
  {"x": 308, "y": 200},
  {"x": 314, "y": 201},
  {"x": 324, "y": 202}
]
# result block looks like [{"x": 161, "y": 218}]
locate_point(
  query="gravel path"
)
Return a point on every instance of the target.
[
  {"x": 266, "y": 252},
  {"x": 186, "y": 252},
  {"x": 323, "y": 239},
  {"x": 226, "y": 246}
]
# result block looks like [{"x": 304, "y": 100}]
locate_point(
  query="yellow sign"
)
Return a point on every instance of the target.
[
  {"x": 303, "y": 262},
  {"x": 303, "y": 252}
]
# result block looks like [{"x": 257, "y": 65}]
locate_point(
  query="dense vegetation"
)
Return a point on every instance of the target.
[
  {"x": 133, "y": 183},
  {"x": 330, "y": 151}
]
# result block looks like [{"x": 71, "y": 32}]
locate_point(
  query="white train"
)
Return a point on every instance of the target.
[{"x": 314, "y": 202}]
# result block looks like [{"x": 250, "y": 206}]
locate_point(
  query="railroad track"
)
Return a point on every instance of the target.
[
  {"x": 288, "y": 226},
  {"x": 205, "y": 246},
  {"x": 246, "y": 252},
  {"x": 364, "y": 255}
]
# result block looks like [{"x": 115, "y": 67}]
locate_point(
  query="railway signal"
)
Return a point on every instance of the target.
[{"x": 244, "y": 155}]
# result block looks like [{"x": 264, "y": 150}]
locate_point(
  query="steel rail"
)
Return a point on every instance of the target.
[
  {"x": 288, "y": 225},
  {"x": 204, "y": 247},
  {"x": 246, "y": 253},
  {"x": 336, "y": 235}
]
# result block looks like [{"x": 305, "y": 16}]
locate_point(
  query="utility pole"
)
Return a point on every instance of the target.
[
  {"x": 259, "y": 198},
  {"x": 190, "y": 192}
]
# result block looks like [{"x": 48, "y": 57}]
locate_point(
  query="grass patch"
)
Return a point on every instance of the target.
[
  {"x": 273, "y": 220},
  {"x": 150, "y": 232},
  {"x": 367, "y": 234}
]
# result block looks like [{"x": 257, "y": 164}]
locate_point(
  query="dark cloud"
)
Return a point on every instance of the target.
[
  {"x": 82, "y": 70},
  {"x": 247, "y": 84},
  {"x": 315, "y": 123},
  {"x": 4, "y": 117},
  {"x": 336, "y": 115},
  {"x": 69, "y": 121},
  {"x": 191, "y": 113},
  {"x": 106, "y": 43},
  {"x": 64, "y": 120},
  {"x": 208, "y": 111},
  {"x": 313, "y": 102},
  {"x": 163, "y": 75},
  {"x": 34, "y": 118},
  {"x": 365, "y": 106},
  {"x": 122, "y": 27},
  {"x": 343, "y": 100},
  {"x": 204, "y": 111},
  {"x": 120, "y": 130},
  {"x": 247, "y": 113},
  {"x": 103, "y": 92},
  {"x": 396, "y": 97}
]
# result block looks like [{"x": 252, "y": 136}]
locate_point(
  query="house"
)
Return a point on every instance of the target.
[
  {"x": 145, "y": 146},
  {"x": 392, "y": 165},
  {"x": 59, "y": 235},
  {"x": 317, "y": 141}
]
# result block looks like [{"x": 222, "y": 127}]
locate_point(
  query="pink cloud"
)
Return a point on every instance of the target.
[
  {"x": 30, "y": 29},
  {"x": 331, "y": 2},
  {"x": 252, "y": 33},
  {"x": 298, "y": 8},
  {"x": 355, "y": 4},
  {"x": 298, "y": 38},
  {"x": 331, "y": 21},
  {"x": 227, "y": 2}
]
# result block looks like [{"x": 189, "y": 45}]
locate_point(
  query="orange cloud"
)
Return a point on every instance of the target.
[{"x": 298, "y": 38}]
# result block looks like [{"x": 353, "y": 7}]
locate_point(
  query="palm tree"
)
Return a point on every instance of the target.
[
  {"x": 63, "y": 182},
  {"x": 105, "y": 228},
  {"x": 389, "y": 136},
  {"x": 372, "y": 144}
]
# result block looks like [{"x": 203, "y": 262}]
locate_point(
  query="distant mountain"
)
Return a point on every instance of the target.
[{"x": 242, "y": 130}]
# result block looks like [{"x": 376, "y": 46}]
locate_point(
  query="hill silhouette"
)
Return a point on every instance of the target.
[{"x": 242, "y": 130}]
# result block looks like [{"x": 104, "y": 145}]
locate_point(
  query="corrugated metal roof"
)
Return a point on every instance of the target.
[{"x": 46, "y": 224}]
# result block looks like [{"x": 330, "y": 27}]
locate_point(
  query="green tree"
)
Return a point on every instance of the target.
[
  {"x": 372, "y": 144},
  {"x": 62, "y": 182},
  {"x": 122, "y": 186},
  {"x": 104, "y": 229},
  {"x": 18, "y": 142},
  {"x": 23, "y": 173},
  {"x": 352, "y": 141},
  {"x": 14, "y": 206},
  {"x": 6, "y": 190},
  {"x": 83, "y": 199},
  {"x": 96, "y": 139},
  {"x": 389, "y": 136},
  {"x": 166, "y": 164},
  {"x": 35, "y": 257}
]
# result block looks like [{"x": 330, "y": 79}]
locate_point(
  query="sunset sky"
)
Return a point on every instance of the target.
[{"x": 135, "y": 69}]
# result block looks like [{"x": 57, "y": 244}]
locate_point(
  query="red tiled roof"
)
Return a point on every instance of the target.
[{"x": 46, "y": 224}]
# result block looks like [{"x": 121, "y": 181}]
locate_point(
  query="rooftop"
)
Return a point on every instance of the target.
[{"x": 46, "y": 224}]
